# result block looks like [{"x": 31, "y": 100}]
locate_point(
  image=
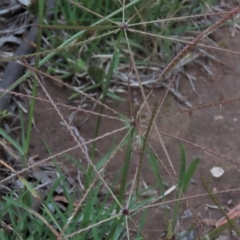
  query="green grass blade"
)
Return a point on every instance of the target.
[
  {"x": 12, "y": 141},
  {"x": 185, "y": 177},
  {"x": 189, "y": 173},
  {"x": 66, "y": 44},
  {"x": 126, "y": 168},
  {"x": 105, "y": 87},
  {"x": 86, "y": 28},
  {"x": 156, "y": 171},
  {"x": 182, "y": 169}
]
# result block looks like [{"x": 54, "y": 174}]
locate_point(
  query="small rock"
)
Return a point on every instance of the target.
[
  {"x": 184, "y": 235},
  {"x": 217, "y": 172},
  {"x": 187, "y": 214},
  {"x": 218, "y": 117}
]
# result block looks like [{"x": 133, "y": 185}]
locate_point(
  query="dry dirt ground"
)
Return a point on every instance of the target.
[{"x": 216, "y": 128}]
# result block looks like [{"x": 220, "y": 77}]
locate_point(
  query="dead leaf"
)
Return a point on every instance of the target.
[
  {"x": 233, "y": 213},
  {"x": 63, "y": 199},
  {"x": 209, "y": 221}
]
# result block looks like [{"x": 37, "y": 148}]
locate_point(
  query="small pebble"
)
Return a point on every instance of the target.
[{"x": 217, "y": 172}]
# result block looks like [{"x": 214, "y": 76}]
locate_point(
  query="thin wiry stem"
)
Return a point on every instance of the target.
[
  {"x": 215, "y": 200},
  {"x": 211, "y": 152},
  {"x": 91, "y": 226},
  {"x": 70, "y": 87},
  {"x": 92, "y": 12},
  {"x": 56, "y": 50},
  {"x": 190, "y": 110},
  {"x": 184, "y": 199},
  {"x": 94, "y": 181},
  {"x": 42, "y": 161},
  {"x": 189, "y": 47},
  {"x": 137, "y": 175},
  {"x": 89, "y": 161},
  {"x": 183, "y": 41},
  {"x": 62, "y": 105},
  {"x": 177, "y": 18}
]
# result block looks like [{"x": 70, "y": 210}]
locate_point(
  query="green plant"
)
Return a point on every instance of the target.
[
  {"x": 129, "y": 38},
  {"x": 185, "y": 176}
]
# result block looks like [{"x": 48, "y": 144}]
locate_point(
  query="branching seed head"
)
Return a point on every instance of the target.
[
  {"x": 125, "y": 212},
  {"x": 124, "y": 25}
]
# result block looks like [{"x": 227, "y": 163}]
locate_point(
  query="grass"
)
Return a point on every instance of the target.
[{"x": 118, "y": 45}]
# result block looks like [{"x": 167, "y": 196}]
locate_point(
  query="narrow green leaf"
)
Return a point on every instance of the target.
[
  {"x": 189, "y": 174},
  {"x": 114, "y": 96},
  {"x": 183, "y": 181},
  {"x": 97, "y": 74},
  {"x": 141, "y": 223},
  {"x": 15, "y": 202},
  {"x": 2, "y": 236},
  {"x": 52, "y": 216},
  {"x": 169, "y": 235},
  {"x": 155, "y": 168},
  {"x": 30, "y": 188},
  {"x": 116, "y": 60},
  {"x": 103, "y": 160},
  {"x": 182, "y": 169},
  {"x": 12, "y": 141},
  {"x": 126, "y": 167},
  {"x": 86, "y": 28}
]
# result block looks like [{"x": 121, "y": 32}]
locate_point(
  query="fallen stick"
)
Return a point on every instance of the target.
[{"x": 15, "y": 70}]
